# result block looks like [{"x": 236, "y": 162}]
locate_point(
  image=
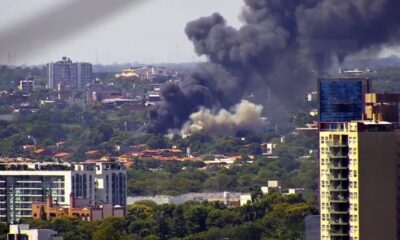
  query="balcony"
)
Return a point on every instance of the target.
[
  {"x": 338, "y": 189},
  {"x": 336, "y": 144},
  {"x": 338, "y": 167},
  {"x": 339, "y": 222},
  {"x": 338, "y": 156},
  {"x": 338, "y": 200},
  {"x": 339, "y": 178},
  {"x": 339, "y": 211},
  {"x": 339, "y": 234}
]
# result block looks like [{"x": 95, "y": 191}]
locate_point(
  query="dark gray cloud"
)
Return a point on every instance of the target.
[{"x": 280, "y": 44}]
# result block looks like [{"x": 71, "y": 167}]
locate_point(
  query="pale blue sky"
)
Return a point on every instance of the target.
[{"x": 151, "y": 32}]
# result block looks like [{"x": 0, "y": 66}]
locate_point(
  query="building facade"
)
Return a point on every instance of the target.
[
  {"x": 111, "y": 183},
  {"x": 84, "y": 74},
  {"x": 342, "y": 99},
  {"x": 26, "y": 86},
  {"x": 73, "y": 74},
  {"x": 358, "y": 180},
  {"x": 24, "y": 183},
  {"x": 382, "y": 106}
]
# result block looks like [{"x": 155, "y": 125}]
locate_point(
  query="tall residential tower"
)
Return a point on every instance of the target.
[
  {"x": 359, "y": 180},
  {"x": 359, "y": 161},
  {"x": 73, "y": 74}
]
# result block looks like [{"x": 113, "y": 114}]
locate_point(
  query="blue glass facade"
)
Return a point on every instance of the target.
[{"x": 342, "y": 99}]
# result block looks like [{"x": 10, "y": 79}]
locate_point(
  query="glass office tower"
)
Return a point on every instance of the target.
[{"x": 342, "y": 99}]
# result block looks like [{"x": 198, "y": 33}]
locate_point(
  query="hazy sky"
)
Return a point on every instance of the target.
[{"x": 147, "y": 31}]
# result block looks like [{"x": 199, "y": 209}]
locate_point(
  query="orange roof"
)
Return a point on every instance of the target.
[
  {"x": 91, "y": 152},
  {"x": 176, "y": 150},
  {"x": 40, "y": 150},
  {"x": 90, "y": 161},
  {"x": 62, "y": 155},
  {"x": 29, "y": 146}
]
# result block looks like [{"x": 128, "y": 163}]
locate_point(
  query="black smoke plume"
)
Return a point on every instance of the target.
[{"x": 279, "y": 46}]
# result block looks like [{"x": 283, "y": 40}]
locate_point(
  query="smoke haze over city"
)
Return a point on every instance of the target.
[{"x": 280, "y": 45}]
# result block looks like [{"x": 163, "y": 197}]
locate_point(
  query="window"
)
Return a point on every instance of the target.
[{"x": 354, "y": 195}]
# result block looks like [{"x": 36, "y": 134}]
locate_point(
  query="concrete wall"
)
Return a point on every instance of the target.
[{"x": 378, "y": 157}]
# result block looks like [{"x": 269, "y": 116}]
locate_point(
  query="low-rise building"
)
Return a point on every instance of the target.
[
  {"x": 268, "y": 148},
  {"x": 80, "y": 208},
  {"x": 232, "y": 199},
  {"x": 143, "y": 73},
  {"x": 245, "y": 199},
  {"x": 26, "y": 86},
  {"x": 127, "y": 73},
  {"x": 22, "y": 232},
  {"x": 98, "y": 92}
]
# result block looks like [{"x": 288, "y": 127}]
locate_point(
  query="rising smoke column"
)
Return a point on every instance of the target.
[
  {"x": 245, "y": 116},
  {"x": 279, "y": 46}
]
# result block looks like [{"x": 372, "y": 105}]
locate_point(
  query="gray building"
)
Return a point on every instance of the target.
[{"x": 74, "y": 74}]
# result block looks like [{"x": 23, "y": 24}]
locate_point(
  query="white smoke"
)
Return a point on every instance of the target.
[{"x": 243, "y": 116}]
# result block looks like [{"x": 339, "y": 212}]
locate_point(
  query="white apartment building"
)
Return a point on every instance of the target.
[
  {"x": 23, "y": 183},
  {"x": 22, "y": 231},
  {"x": 111, "y": 183}
]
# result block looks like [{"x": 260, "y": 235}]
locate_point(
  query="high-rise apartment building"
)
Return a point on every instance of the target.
[
  {"x": 111, "y": 183},
  {"x": 24, "y": 183},
  {"x": 359, "y": 180},
  {"x": 359, "y": 156},
  {"x": 84, "y": 74},
  {"x": 74, "y": 74},
  {"x": 342, "y": 99}
]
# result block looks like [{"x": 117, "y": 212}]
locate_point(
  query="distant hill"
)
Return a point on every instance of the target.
[{"x": 373, "y": 63}]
